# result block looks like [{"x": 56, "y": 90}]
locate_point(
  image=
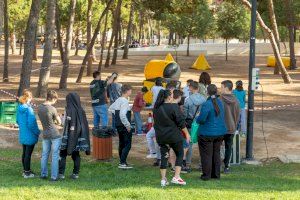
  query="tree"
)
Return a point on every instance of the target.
[
  {"x": 103, "y": 42},
  {"x": 46, "y": 63},
  {"x": 68, "y": 45},
  {"x": 117, "y": 29},
  {"x": 231, "y": 20},
  {"x": 29, "y": 45},
  {"x": 89, "y": 36},
  {"x": 6, "y": 37},
  {"x": 58, "y": 32},
  {"x": 285, "y": 76},
  {"x": 129, "y": 31}
]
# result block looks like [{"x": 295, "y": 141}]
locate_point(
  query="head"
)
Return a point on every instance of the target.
[
  {"x": 212, "y": 91},
  {"x": 115, "y": 74},
  {"x": 188, "y": 82},
  {"x": 159, "y": 82},
  {"x": 126, "y": 90},
  {"x": 96, "y": 75},
  {"x": 205, "y": 79},
  {"x": 73, "y": 100},
  {"x": 171, "y": 86},
  {"x": 164, "y": 96},
  {"x": 226, "y": 87},
  {"x": 144, "y": 90},
  {"x": 239, "y": 85},
  {"x": 26, "y": 97},
  {"x": 177, "y": 95},
  {"x": 194, "y": 87},
  {"x": 52, "y": 97}
]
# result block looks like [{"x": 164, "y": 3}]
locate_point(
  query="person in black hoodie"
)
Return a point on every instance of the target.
[
  {"x": 169, "y": 123},
  {"x": 75, "y": 135}
]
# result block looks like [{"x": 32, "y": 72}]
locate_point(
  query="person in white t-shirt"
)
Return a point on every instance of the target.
[
  {"x": 186, "y": 89},
  {"x": 155, "y": 90}
]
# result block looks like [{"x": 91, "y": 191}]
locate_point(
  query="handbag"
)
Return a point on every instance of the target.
[{"x": 194, "y": 128}]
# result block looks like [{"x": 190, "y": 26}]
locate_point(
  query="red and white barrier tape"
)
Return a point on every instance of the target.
[
  {"x": 15, "y": 96},
  {"x": 278, "y": 107}
]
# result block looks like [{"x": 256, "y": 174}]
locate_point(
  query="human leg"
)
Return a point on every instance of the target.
[
  {"x": 55, "y": 158},
  {"x": 27, "y": 157},
  {"x": 138, "y": 122},
  {"x": 103, "y": 112},
  {"x": 96, "y": 120},
  {"x": 228, "y": 139},
  {"x": 216, "y": 165},
  {"x": 127, "y": 145},
  {"x": 150, "y": 141},
  {"x": 121, "y": 141},
  {"x": 62, "y": 162},
  {"x": 76, "y": 160},
  {"x": 46, "y": 144},
  {"x": 206, "y": 152}
]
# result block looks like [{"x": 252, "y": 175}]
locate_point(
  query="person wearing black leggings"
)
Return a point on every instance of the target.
[{"x": 169, "y": 123}]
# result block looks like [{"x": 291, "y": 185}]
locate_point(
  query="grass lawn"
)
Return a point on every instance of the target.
[{"x": 103, "y": 180}]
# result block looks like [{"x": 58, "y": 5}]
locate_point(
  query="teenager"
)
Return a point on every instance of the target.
[
  {"x": 28, "y": 131},
  {"x": 240, "y": 94},
  {"x": 186, "y": 89},
  {"x": 169, "y": 124},
  {"x": 98, "y": 95},
  {"x": 191, "y": 107},
  {"x": 122, "y": 112},
  {"x": 232, "y": 113},
  {"x": 155, "y": 90},
  {"x": 51, "y": 137},
  {"x": 75, "y": 135},
  {"x": 138, "y": 104},
  {"x": 211, "y": 130},
  {"x": 204, "y": 81}
]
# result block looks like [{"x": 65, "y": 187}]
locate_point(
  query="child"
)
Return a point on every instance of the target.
[
  {"x": 232, "y": 113},
  {"x": 186, "y": 89},
  {"x": 122, "y": 112},
  {"x": 155, "y": 90},
  {"x": 138, "y": 105},
  {"x": 240, "y": 94}
]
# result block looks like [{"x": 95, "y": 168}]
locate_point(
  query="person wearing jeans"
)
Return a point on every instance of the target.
[
  {"x": 138, "y": 104},
  {"x": 51, "y": 137},
  {"x": 28, "y": 131},
  {"x": 98, "y": 95},
  {"x": 122, "y": 112}
]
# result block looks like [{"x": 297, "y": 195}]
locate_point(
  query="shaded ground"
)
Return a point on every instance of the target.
[{"x": 281, "y": 125}]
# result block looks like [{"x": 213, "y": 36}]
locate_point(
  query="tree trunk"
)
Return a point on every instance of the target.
[
  {"x": 129, "y": 31},
  {"x": 34, "y": 56},
  {"x": 103, "y": 42},
  {"x": 188, "y": 46},
  {"x": 290, "y": 18},
  {"x": 29, "y": 45},
  {"x": 117, "y": 26},
  {"x": 170, "y": 38},
  {"x": 58, "y": 32},
  {"x": 159, "y": 34},
  {"x": 66, "y": 60},
  {"x": 76, "y": 42},
  {"x": 140, "y": 26},
  {"x": 109, "y": 48},
  {"x": 274, "y": 27},
  {"x": 89, "y": 37},
  {"x": 21, "y": 46},
  {"x": 48, "y": 45},
  {"x": 13, "y": 43},
  {"x": 285, "y": 76},
  {"x": 226, "y": 41},
  {"x": 6, "y": 38},
  {"x": 90, "y": 48}
]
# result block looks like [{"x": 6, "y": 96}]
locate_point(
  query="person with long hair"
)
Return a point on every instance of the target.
[
  {"x": 169, "y": 123},
  {"x": 75, "y": 135},
  {"x": 240, "y": 94},
  {"x": 204, "y": 82},
  {"x": 211, "y": 130},
  {"x": 28, "y": 131}
]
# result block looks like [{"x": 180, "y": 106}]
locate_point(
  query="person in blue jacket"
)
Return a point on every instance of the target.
[
  {"x": 211, "y": 130},
  {"x": 28, "y": 131}
]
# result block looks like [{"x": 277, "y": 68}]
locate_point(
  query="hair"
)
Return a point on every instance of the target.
[
  {"x": 194, "y": 85},
  {"x": 177, "y": 93},
  {"x": 205, "y": 78},
  {"x": 162, "y": 96},
  {"x": 116, "y": 77},
  {"x": 212, "y": 91},
  {"x": 228, "y": 84},
  {"x": 144, "y": 89},
  {"x": 51, "y": 95},
  {"x": 159, "y": 82},
  {"x": 190, "y": 81},
  {"x": 172, "y": 85},
  {"x": 239, "y": 85},
  {"x": 125, "y": 88},
  {"x": 95, "y": 74},
  {"x": 24, "y": 98}
]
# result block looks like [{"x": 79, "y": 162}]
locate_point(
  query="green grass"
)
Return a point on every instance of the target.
[{"x": 100, "y": 180}]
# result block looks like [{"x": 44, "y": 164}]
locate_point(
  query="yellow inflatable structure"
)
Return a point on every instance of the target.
[
  {"x": 169, "y": 57},
  {"x": 167, "y": 70},
  {"x": 271, "y": 62},
  {"x": 201, "y": 63}
]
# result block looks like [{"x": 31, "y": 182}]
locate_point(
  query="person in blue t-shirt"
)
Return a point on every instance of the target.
[{"x": 240, "y": 94}]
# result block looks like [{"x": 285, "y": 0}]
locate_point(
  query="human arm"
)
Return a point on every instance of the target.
[
  {"x": 31, "y": 122},
  {"x": 110, "y": 79},
  {"x": 187, "y": 134},
  {"x": 124, "y": 108},
  {"x": 56, "y": 117},
  {"x": 112, "y": 108},
  {"x": 201, "y": 119}
]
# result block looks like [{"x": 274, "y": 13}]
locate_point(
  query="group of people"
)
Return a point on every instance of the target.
[{"x": 174, "y": 111}]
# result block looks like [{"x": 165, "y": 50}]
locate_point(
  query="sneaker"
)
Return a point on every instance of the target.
[
  {"x": 156, "y": 163},
  {"x": 54, "y": 179},
  {"x": 164, "y": 183},
  {"x": 61, "y": 176},
  {"x": 124, "y": 166},
  {"x": 74, "y": 176},
  {"x": 185, "y": 170},
  {"x": 152, "y": 155},
  {"x": 178, "y": 181},
  {"x": 43, "y": 177},
  {"x": 29, "y": 175},
  {"x": 226, "y": 170}
]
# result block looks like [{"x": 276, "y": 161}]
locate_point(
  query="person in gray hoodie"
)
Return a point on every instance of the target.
[
  {"x": 191, "y": 107},
  {"x": 232, "y": 110}
]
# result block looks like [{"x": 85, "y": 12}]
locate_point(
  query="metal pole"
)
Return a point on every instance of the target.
[{"x": 249, "y": 144}]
